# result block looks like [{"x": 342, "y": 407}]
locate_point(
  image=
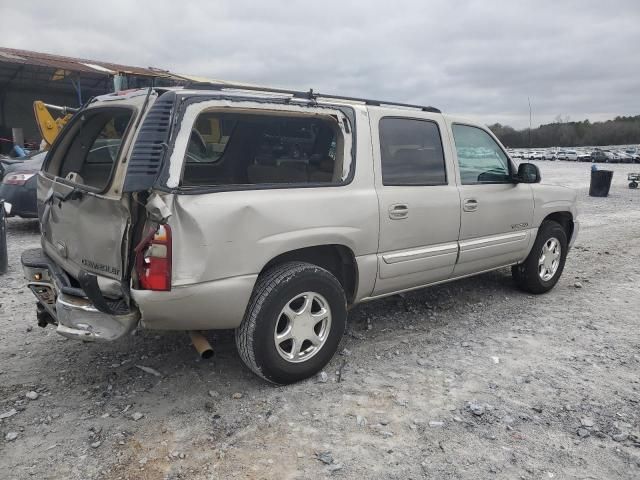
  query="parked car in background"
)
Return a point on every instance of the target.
[
  {"x": 19, "y": 186},
  {"x": 5, "y": 162},
  {"x": 584, "y": 157},
  {"x": 602, "y": 156},
  {"x": 624, "y": 157},
  {"x": 571, "y": 155}
]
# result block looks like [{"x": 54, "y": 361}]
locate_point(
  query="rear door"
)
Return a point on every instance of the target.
[
  {"x": 85, "y": 219},
  {"x": 418, "y": 199}
]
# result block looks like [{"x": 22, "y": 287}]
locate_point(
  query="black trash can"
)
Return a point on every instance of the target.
[{"x": 600, "y": 183}]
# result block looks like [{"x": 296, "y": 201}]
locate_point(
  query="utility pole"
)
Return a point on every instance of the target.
[{"x": 529, "y": 100}]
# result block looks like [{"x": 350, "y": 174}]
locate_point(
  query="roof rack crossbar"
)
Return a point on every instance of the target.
[{"x": 305, "y": 95}]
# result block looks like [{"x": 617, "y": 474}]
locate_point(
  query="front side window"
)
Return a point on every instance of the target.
[
  {"x": 411, "y": 152},
  {"x": 480, "y": 158},
  {"x": 263, "y": 149},
  {"x": 90, "y": 155}
]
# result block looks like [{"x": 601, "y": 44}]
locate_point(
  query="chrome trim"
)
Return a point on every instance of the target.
[
  {"x": 493, "y": 240},
  {"x": 76, "y": 303},
  {"x": 79, "y": 319},
  {"x": 418, "y": 253}
]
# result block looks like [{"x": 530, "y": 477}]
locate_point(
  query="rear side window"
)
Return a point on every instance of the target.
[
  {"x": 89, "y": 156},
  {"x": 263, "y": 149},
  {"x": 411, "y": 152}
]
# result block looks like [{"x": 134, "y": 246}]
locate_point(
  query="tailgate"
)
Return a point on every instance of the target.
[
  {"x": 84, "y": 230},
  {"x": 85, "y": 218}
]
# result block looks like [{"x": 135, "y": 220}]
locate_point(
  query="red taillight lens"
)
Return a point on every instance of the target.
[
  {"x": 17, "y": 178},
  {"x": 153, "y": 260}
]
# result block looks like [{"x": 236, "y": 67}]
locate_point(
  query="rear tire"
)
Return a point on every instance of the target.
[
  {"x": 270, "y": 341},
  {"x": 539, "y": 272},
  {"x": 633, "y": 185}
]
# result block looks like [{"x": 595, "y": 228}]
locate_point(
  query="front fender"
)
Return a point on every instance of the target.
[{"x": 550, "y": 199}]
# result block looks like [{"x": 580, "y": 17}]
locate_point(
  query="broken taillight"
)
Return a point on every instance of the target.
[{"x": 153, "y": 260}]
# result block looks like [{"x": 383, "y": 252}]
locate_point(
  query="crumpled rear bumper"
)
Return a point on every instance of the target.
[{"x": 74, "y": 314}]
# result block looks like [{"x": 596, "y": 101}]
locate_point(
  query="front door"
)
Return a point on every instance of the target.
[
  {"x": 418, "y": 200},
  {"x": 496, "y": 212}
]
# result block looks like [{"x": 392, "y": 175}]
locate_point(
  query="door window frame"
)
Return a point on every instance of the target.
[
  {"x": 222, "y": 103},
  {"x": 510, "y": 164},
  {"x": 444, "y": 155}
]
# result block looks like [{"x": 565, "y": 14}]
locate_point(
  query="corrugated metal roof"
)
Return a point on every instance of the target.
[{"x": 59, "y": 62}]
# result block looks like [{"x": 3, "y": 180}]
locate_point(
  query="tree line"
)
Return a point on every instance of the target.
[{"x": 619, "y": 131}]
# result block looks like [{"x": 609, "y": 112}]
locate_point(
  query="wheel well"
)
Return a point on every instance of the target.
[
  {"x": 337, "y": 259},
  {"x": 565, "y": 219}
]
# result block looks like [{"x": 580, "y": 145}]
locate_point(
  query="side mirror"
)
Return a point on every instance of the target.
[{"x": 528, "y": 173}]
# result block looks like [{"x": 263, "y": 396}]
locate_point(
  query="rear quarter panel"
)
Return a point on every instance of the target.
[{"x": 222, "y": 240}]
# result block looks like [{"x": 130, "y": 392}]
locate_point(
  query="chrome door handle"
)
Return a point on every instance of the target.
[
  {"x": 398, "y": 211},
  {"x": 470, "y": 205}
]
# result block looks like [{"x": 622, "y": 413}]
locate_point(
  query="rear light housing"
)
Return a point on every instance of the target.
[
  {"x": 153, "y": 260},
  {"x": 17, "y": 178}
]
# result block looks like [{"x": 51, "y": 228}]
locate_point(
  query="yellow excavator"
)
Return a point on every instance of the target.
[{"x": 50, "y": 127}]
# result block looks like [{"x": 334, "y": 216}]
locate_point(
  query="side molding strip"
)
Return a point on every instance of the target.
[
  {"x": 418, "y": 253},
  {"x": 493, "y": 240}
]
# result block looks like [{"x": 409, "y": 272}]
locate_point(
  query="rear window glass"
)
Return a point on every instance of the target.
[
  {"x": 88, "y": 158},
  {"x": 411, "y": 152},
  {"x": 263, "y": 149}
]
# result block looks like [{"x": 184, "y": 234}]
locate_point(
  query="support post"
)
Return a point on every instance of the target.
[{"x": 4, "y": 259}]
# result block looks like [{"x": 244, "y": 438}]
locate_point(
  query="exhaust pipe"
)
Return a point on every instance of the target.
[{"x": 201, "y": 344}]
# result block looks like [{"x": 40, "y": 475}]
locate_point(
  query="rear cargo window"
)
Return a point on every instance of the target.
[
  {"x": 261, "y": 149},
  {"x": 90, "y": 153}
]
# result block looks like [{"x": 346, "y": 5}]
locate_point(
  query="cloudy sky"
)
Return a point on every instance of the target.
[{"x": 574, "y": 58}]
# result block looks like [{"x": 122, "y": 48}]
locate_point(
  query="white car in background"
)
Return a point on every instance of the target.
[
  {"x": 571, "y": 155},
  {"x": 584, "y": 157}
]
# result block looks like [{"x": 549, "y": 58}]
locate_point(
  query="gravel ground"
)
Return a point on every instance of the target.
[{"x": 468, "y": 380}]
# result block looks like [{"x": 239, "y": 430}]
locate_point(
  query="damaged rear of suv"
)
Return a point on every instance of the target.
[
  {"x": 80, "y": 275},
  {"x": 160, "y": 208}
]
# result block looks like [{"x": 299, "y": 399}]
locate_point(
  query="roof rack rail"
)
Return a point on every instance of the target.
[{"x": 308, "y": 95}]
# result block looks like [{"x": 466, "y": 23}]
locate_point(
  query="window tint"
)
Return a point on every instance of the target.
[
  {"x": 250, "y": 149},
  {"x": 94, "y": 147},
  {"x": 480, "y": 158},
  {"x": 411, "y": 152}
]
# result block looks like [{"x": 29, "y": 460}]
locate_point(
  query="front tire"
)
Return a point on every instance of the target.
[
  {"x": 543, "y": 266},
  {"x": 294, "y": 322}
]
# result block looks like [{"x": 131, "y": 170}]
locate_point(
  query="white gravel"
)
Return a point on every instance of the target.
[{"x": 421, "y": 396}]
